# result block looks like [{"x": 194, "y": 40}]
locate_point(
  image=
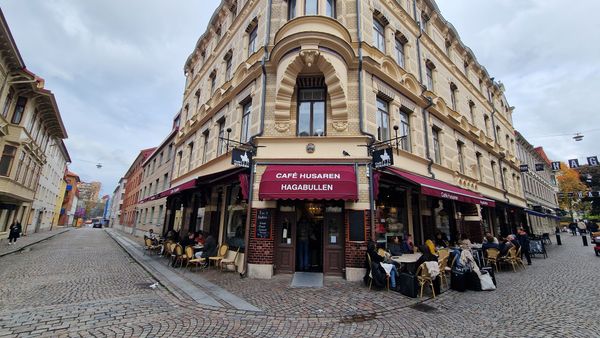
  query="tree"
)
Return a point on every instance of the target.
[{"x": 570, "y": 186}]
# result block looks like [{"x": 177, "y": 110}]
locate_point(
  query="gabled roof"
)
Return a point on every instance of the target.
[{"x": 542, "y": 153}]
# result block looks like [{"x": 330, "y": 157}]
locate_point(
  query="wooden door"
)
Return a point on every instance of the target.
[
  {"x": 285, "y": 241},
  {"x": 333, "y": 244}
]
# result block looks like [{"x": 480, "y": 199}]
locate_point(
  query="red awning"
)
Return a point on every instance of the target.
[
  {"x": 302, "y": 182},
  {"x": 441, "y": 189},
  {"x": 184, "y": 186}
]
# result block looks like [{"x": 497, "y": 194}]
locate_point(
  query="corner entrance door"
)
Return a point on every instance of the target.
[
  {"x": 286, "y": 254},
  {"x": 333, "y": 243}
]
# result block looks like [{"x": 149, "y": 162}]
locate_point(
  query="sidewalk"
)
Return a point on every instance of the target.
[{"x": 25, "y": 241}]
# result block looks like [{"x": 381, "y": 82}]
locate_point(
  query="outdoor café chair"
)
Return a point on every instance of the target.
[
  {"x": 222, "y": 253},
  {"x": 443, "y": 253},
  {"x": 149, "y": 246},
  {"x": 192, "y": 259},
  {"x": 227, "y": 262},
  {"x": 423, "y": 277},
  {"x": 492, "y": 257},
  {"x": 518, "y": 259},
  {"x": 178, "y": 255},
  {"x": 510, "y": 258},
  {"x": 443, "y": 263},
  {"x": 387, "y": 277}
]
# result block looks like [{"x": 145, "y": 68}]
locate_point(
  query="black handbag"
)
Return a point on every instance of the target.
[
  {"x": 472, "y": 281},
  {"x": 407, "y": 285},
  {"x": 457, "y": 280}
]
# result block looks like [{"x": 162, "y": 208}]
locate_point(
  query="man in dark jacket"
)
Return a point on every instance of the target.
[
  {"x": 210, "y": 247},
  {"x": 524, "y": 242},
  {"x": 15, "y": 232}
]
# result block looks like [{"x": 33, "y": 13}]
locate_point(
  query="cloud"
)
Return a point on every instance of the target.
[
  {"x": 116, "y": 68},
  {"x": 546, "y": 55}
]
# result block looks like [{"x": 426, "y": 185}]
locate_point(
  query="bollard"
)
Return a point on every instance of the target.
[
  {"x": 558, "y": 241},
  {"x": 584, "y": 239}
]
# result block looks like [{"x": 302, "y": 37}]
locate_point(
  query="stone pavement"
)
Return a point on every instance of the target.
[
  {"x": 82, "y": 284},
  {"x": 25, "y": 241}
]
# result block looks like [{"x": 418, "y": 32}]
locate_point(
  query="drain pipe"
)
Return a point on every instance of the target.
[
  {"x": 263, "y": 98},
  {"x": 424, "y": 111},
  {"x": 361, "y": 114}
]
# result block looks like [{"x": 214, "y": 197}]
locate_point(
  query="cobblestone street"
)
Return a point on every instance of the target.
[{"x": 82, "y": 283}]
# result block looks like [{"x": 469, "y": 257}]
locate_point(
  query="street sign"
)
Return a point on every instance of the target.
[
  {"x": 524, "y": 168},
  {"x": 383, "y": 158},
  {"x": 241, "y": 158}
]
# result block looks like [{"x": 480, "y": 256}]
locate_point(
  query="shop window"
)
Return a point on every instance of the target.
[
  {"x": 383, "y": 120},
  {"x": 391, "y": 215},
  {"x": 235, "y": 217},
  {"x": 8, "y": 155},
  {"x": 19, "y": 110},
  {"x": 311, "y": 112}
]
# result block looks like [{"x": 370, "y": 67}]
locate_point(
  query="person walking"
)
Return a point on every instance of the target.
[
  {"x": 15, "y": 232},
  {"x": 524, "y": 242}
]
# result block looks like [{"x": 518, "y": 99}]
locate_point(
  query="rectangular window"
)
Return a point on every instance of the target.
[
  {"x": 311, "y": 7},
  {"x": 228, "y": 69},
  {"x": 400, "y": 52},
  {"x": 429, "y": 74},
  {"x": 151, "y": 215},
  {"x": 461, "y": 158},
  {"x": 179, "y": 157},
  {"x": 330, "y": 8},
  {"x": 205, "y": 148},
  {"x": 404, "y": 130},
  {"x": 453, "y": 90},
  {"x": 191, "y": 157},
  {"x": 493, "y": 164},
  {"x": 19, "y": 109},
  {"x": 246, "y": 122},
  {"x": 160, "y": 215},
  {"x": 378, "y": 35},
  {"x": 311, "y": 112},
  {"x": 166, "y": 182},
  {"x": 156, "y": 186},
  {"x": 436, "y": 146},
  {"x": 160, "y": 158},
  {"x": 479, "y": 167},
  {"x": 213, "y": 85},
  {"x": 20, "y": 165},
  {"x": 8, "y": 102},
  {"x": 252, "y": 41},
  {"x": 472, "y": 112},
  {"x": 383, "y": 120},
  {"x": 291, "y": 9},
  {"x": 8, "y": 155},
  {"x": 221, "y": 144},
  {"x": 149, "y": 190}
]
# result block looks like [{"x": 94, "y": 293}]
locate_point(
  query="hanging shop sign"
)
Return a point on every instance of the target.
[
  {"x": 574, "y": 163},
  {"x": 524, "y": 168},
  {"x": 383, "y": 158},
  {"x": 539, "y": 167},
  {"x": 593, "y": 161},
  {"x": 556, "y": 166},
  {"x": 580, "y": 194},
  {"x": 241, "y": 158}
]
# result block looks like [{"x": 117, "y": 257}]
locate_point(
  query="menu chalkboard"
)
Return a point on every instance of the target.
[
  {"x": 263, "y": 223},
  {"x": 356, "y": 220}
]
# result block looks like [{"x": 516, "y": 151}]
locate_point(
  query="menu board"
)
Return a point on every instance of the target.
[
  {"x": 356, "y": 220},
  {"x": 263, "y": 223}
]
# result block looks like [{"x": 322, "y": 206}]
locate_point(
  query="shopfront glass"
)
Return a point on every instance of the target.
[
  {"x": 391, "y": 216},
  {"x": 235, "y": 217}
]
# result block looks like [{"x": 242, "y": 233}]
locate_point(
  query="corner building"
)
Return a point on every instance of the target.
[{"x": 312, "y": 86}]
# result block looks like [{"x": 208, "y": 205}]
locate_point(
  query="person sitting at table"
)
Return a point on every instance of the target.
[
  {"x": 188, "y": 240},
  {"x": 504, "y": 246},
  {"x": 199, "y": 239},
  {"x": 465, "y": 242},
  {"x": 441, "y": 240},
  {"x": 407, "y": 245},
  {"x": 395, "y": 248},
  {"x": 514, "y": 241},
  {"x": 489, "y": 243},
  {"x": 431, "y": 246},
  {"x": 151, "y": 235},
  {"x": 489, "y": 235},
  {"x": 427, "y": 256},
  {"x": 390, "y": 269}
]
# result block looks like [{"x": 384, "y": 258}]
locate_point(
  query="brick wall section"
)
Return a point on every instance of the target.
[
  {"x": 355, "y": 251},
  {"x": 261, "y": 250}
]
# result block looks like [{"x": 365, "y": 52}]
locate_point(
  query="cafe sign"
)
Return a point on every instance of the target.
[
  {"x": 308, "y": 182},
  {"x": 383, "y": 158},
  {"x": 241, "y": 158}
]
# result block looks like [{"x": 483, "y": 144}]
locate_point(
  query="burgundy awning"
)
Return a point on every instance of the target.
[
  {"x": 184, "y": 186},
  {"x": 302, "y": 182},
  {"x": 441, "y": 189}
]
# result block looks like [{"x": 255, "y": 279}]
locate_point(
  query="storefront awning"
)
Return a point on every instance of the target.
[
  {"x": 540, "y": 214},
  {"x": 435, "y": 188},
  {"x": 307, "y": 182}
]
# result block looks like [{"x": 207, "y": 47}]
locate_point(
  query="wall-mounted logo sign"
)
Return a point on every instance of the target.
[
  {"x": 524, "y": 168},
  {"x": 574, "y": 163},
  {"x": 539, "y": 167},
  {"x": 593, "y": 161},
  {"x": 555, "y": 166},
  {"x": 383, "y": 158},
  {"x": 241, "y": 158}
]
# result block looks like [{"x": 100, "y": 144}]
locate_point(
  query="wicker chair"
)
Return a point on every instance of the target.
[
  {"x": 222, "y": 253},
  {"x": 149, "y": 246},
  {"x": 518, "y": 259},
  {"x": 443, "y": 263},
  {"x": 492, "y": 257},
  {"x": 423, "y": 277},
  {"x": 510, "y": 258},
  {"x": 227, "y": 262},
  {"x": 178, "y": 255},
  {"x": 199, "y": 262}
]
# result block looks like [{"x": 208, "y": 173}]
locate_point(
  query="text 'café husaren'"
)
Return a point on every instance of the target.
[{"x": 313, "y": 127}]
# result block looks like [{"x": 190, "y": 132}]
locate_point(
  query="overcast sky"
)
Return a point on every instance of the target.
[{"x": 116, "y": 68}]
